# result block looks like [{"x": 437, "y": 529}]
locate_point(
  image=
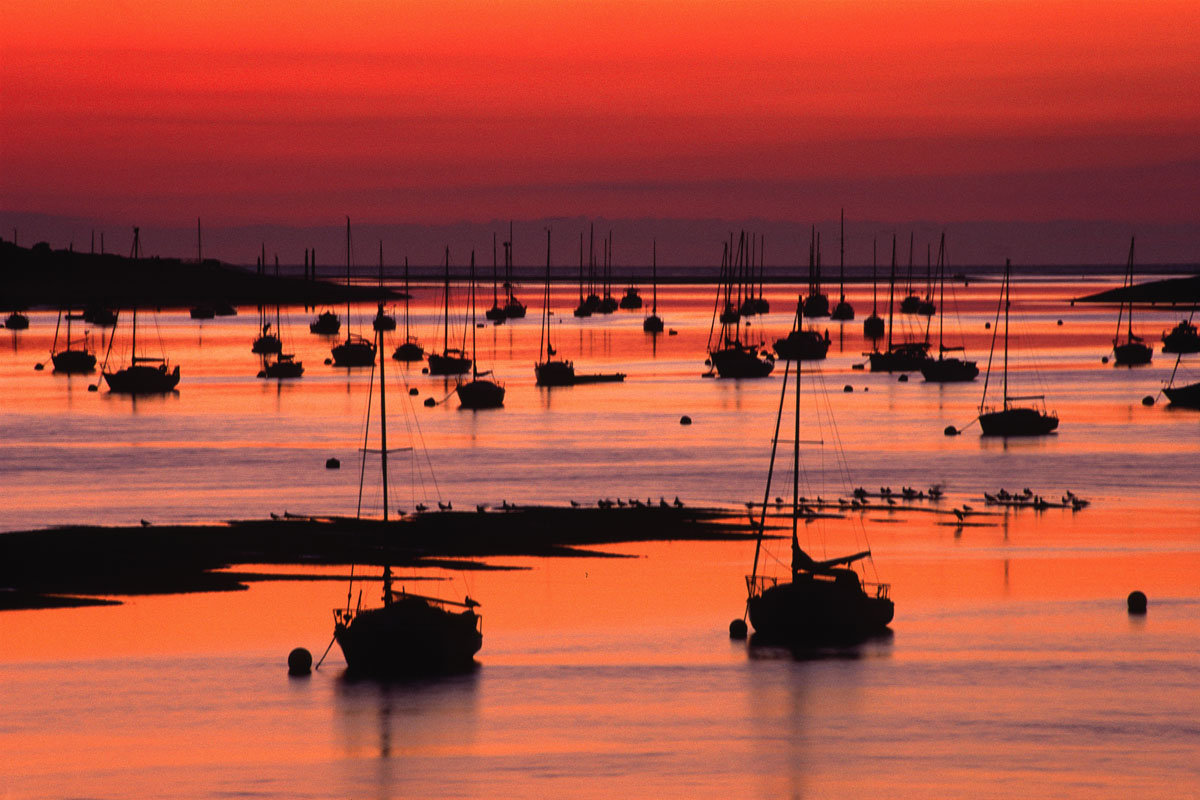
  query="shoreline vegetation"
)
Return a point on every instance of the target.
[
  {"x": 40, "y": 276},
  {"x": 80, "y": 565}
]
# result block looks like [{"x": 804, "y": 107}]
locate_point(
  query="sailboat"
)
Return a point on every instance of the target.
[
  {"x": 817, "y": 303},
  {"x": 266, "y": 342},
  {"x": 408, "y": 634},
  {"x": 16, "y": 321},
  {"x": 1184, "y": 395},
  {"x": 653, "y": 323},
  {"x": 356, "y": 351},
  {"x": 907, "y": 356},
  {"x": 842, "y": 311},
  {"x": 1133, "y": 351},
  {"x": 1183, "y": 338},
  {"x": 452, "y": 360},
  {"x": 139, "y": 377},
  {"x": 382, "y": 321},
  {"x": 873, "y": 326},
  {"x": 825, "y": 601},
  {"x": 1009, "y": 419},
  {"x": 927, "y": 308},
  {"x": 584, "y": 309},
  {"x": 946, "y": 370},
  {"x": 728, "y": 356},
  {"x": 76, "y": 356},
  {"x": 496, "y": 313},
  {"x": 285, "y": 365},
  {"x": 327, "y": 322},
  {"x": 551, "y": 371},
  {"x": 801, "y": 344},
  {"x": 911, "y": 302},
  {"x": 410, "y": 349},
  {"x": 479, "y": 392},
  {"x": 513, "y": 308}
]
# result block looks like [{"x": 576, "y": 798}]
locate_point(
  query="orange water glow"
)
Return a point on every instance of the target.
[{"x": 437, "y": 111}]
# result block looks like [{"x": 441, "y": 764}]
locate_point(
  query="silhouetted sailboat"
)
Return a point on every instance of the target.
[
  {"x": 946, "y": 370},
  {"x": 608, "y": 303},
  {"x": 513, "y": 308},
  {"x": 139, "y": 377},
  {"x": 16, "y": 321},
  {"x": 653, "y": 323},
  {"x": 907, "y": 356},
  {"x": 496, "y": 312},
  {"x": 825, "y": 601},
  {"x": 817, "y": 303},
  {"x": 584, "y": 309},
  {"x": 266, "y": 342},
  {"x": 1183, "y": 338},
  {"x": 1133, "y": 351},
  {"x": 410, "y": 349},
  {"x": 911, "y": 302},
  {"x": 1009, "y": 419},
  {"x": 873, "y": 326},
  {"x": 452, "y": 360},
  {"x": 76, "y": 356},
  {"x": 356, "y": 351},
  {"x": 1184, "y": 395},
  {"x": 285, "y": 365},
  {"x": 728, "y": 356},
  {"x": 842, "y": 311},
  {"x": 408, "y": 634},
  {"x": 327, "y": 322},
  {"x": 479, "y": 392},
  {"x": 382, "y": 321}
]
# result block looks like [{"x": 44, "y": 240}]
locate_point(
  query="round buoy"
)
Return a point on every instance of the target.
[
  {"x": 685, "y": 420},
  {"x": 987, "y": 326},
  {"x": 903, "y": 378},
  {"x": 424, "y": 370},
  {"x": 430, "y": 402},
  {"x": 92, "y": 387},
  {"x": 708, "y": 362},
  {"x": 847, "y": 388},
  {"x": 299, "y": 662},
  {"x": 332, "y": 463},
  {"x": 413, "y": 391},
  {"x": 328, "y": 361},
  {"x": 1059, "y": 323},
  {"x": 866, "y": 388},
  {"x": 262, "y": 373},
  {"x": 737, "y": 629},
  {"x": 39, "y": 367},
  {"x": 951, "y": 430},
  {"x": 1103, "y": 359},
  {"x": 672, "y": 332},
  {"x": 1148, "y": 400},
  {"x": 1136, "y": 602}
]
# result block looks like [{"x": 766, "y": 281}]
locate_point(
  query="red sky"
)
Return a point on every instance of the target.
[{"x": 301, "y": 112}]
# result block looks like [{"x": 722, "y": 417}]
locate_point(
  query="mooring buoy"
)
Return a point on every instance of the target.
[
  {"x": 1148, "y": 400},
  {"x": 299, "y": 662},
  {"x": 430, "y": 402},
  {"x": 951, "y": 430},
  {"x": 1136, "y": 602},
  {"x": 39, "y": 367},
  {"x": 847, "y": 388},
  {"x": 332, "y": 463},
  {"x": 685, "y": 420},
  {"x": 413, "y": 391},
  {"x": 903, "y": 378},
  {"x": 737, "y": 629}
]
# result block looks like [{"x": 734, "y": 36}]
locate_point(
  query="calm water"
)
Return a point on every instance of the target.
[{"x": 1013, "y": 670}]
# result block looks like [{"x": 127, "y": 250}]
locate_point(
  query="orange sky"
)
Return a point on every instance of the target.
[{"x": 299, "y": 112}]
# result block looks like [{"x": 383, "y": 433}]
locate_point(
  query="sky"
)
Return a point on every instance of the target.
[{"x": 300, "y": 113}]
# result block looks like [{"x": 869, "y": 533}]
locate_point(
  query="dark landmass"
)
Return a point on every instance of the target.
[
  {"x": 1172, "y": 291},
  {"x": 78, "y": 565},
  {"x": 39, "y": 276}
]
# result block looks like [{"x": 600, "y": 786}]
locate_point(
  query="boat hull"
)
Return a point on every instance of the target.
[
  {"x": 555, "y": 373},
  {"x": 326, "y": 324},
  {"x": 802, "y": 346},
  {"x": 949, "y": 370},
  {"x": 284, "y": 368},
  {"x": 409, "y": 351},
  {"x": 819, "y": 608},
  {"x": 140, "y": 379},
  {"x": 740, "y": 361},
  {"x": 480, "y": 394},
  {"x": 1017, "y": 422},
  {"x": 354, "y": 353},
  {"x": 1184, "y": 396},
  {"x": 266, "y": 345},
  {"x": 514, "y": 310},
  {"x": 652, "y": 324},
  {"x": 1131, "y": 354},
  {"x": 73, "y": 361},
  {"x": 409, "y": 637},
  {"x": 816, "y": 305},
  {"x": 902, "y": 358},
  {"x": 873, "y": 327},
  {"x": 842, "y": 312},
  {"x": 448, "y": 364}
]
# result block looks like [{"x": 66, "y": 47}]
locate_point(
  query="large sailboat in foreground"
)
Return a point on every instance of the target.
[
  {"x": 408, "y": 634},
  {"x": 825, "y": 601},
  {"x": 1011, "y": 419}
]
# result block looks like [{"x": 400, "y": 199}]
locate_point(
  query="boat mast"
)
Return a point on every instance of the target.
[
  {"x": 654, "y": 274},
  {"x": 406, "y": 298},
  {"x": 474, "y": 360},
  {"x": 544, "y": 341},
  {"x": 892, "y": 293},
  {"x": 278, "y": 329},
  {"x": 494, "y": 298},
  {"x": 842, "y": 257},
  {"x": 942, "y": 297},
  {"x": 874, "y": 284},
  {"x": 580, "y": 265},
  {"x": 446, "y": 308},
  {"x": 1007, "y": 288},
  {"x": 796, "y": 472},
  {"x": 348, "y": 278}
]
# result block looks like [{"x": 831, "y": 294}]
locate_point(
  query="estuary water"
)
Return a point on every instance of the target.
[{"x": 1013, "y": 669}]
